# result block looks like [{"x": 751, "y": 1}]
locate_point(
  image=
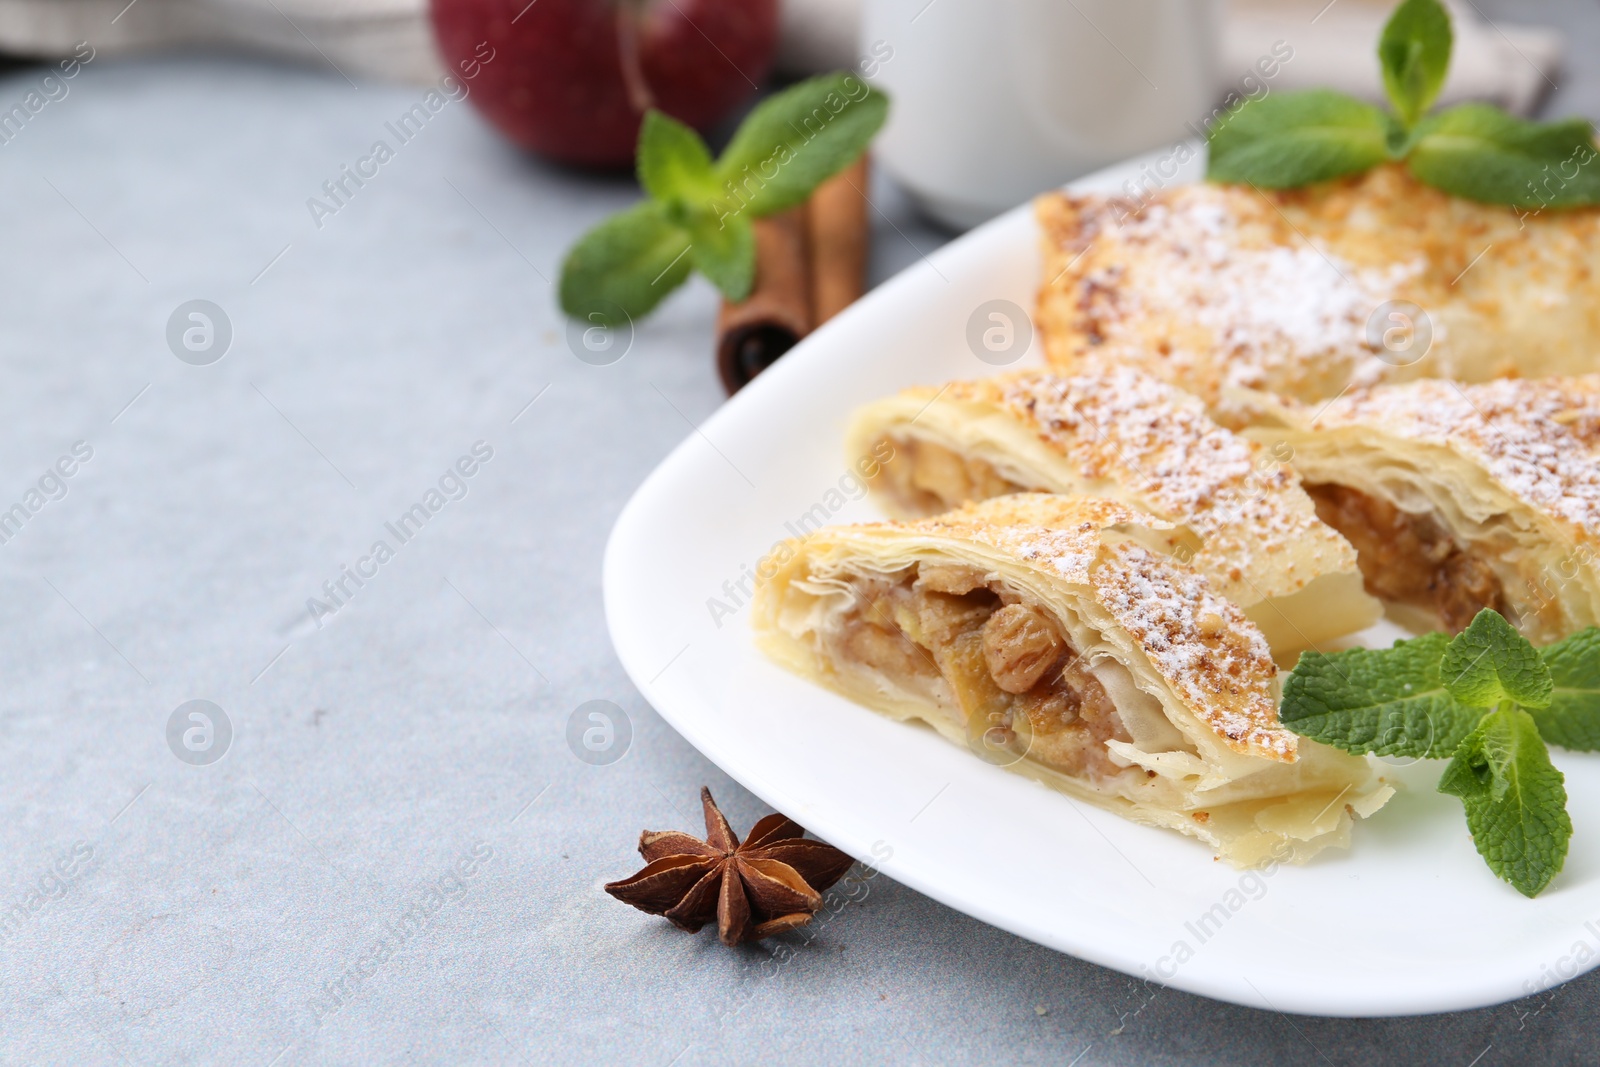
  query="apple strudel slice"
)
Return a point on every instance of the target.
[
  {"x": 1045, "y": 633},
  {"x": 1463, "y": 497},
  {"x": 1304, "y": 292},
  {"x": 1118, "y": 433}
]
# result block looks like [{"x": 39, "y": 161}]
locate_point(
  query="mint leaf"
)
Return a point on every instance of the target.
[
  {"x": 1490, "y": 661},
  {"x": 1389, "y": 701},
  {"x": 625, "y": 266},
  {"x": 674, "y": 163},
  {"x": 725, "y": 252},
  {"x": 1414, "y": 52},
  {"x": 795, "y": 140},
  {"x": 698, "y": 215},
  {"x": 1481, "y": 153},
  {"x": 1515, "y": 801},
  {"x": 1573, "y": 718},
  {"x": 1290, "y": 139}
]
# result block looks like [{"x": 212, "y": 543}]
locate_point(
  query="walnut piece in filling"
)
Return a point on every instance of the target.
[
  {"x": 933, "y": 478},
  {"x": 1408, "y": 558},
  {"x": 1005, "y": 660}
]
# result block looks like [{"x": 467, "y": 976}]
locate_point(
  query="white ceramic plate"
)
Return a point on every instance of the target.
[{"x": 1408, "y": 921}]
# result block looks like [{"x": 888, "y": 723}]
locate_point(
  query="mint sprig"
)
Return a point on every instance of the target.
[
  {"x": 1487, "y": 699},
  {"x": 1473, "y": 151},
  {"x": 698, "y": 213}
]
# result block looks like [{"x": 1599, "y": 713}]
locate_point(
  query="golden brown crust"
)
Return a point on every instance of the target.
[{"x": 1227, "y": 287}]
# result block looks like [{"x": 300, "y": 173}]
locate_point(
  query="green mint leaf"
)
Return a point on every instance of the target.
[
  {"x": 674, "y": 163},
  {"x": 699, "y": 212},
  {"x": 1573, "y": 718},
  {"x": 725, "y": 252},
  {"x": 1516, "y": 803},
  {"x": 1481, "y": 153},
  {"x": 1291, "y": 139},
  {"x": 1414, "y": 52},
  {"x": 795, "y": 140},
  {"x": 1490, "y": 661},
  {"x": 1387, "y": 701},
  {"x": 625, "y": 266}
]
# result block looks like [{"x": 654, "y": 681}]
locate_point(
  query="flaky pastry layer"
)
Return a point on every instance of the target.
[{"x": 1490, "y": 490}]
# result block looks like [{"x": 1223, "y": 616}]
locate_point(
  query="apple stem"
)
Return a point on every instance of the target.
[{"x": 629, "y": 15}]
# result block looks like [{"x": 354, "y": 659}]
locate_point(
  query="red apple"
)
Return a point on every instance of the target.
[{"x": 571, "y": 79}]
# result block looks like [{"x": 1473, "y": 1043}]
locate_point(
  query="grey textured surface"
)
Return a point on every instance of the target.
[{"x": 207, "y": 909}]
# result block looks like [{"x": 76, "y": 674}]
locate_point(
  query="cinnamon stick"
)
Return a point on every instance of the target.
[
  {"x": 752, "y": 334},
  {"x": 836, "y": 219},
  {"x": 810, "y": 265}
]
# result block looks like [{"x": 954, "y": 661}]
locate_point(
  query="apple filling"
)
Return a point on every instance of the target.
[
  {"x": 1410, "y": 559},
  {"x": 941, "y": 631},
  {"x": 932, "y": 478}
]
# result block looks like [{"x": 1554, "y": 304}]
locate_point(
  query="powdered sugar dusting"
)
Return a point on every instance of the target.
[
  {"x": 1201, "y": 287},
  {"x": 1155, "y": 442},
  {"x": 1537, "y": 438},
  {"x": 1204, "y": 647},
  {"x": 1267, "y": 307}
]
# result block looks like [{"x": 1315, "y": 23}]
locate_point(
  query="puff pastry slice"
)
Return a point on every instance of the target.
[
  {"x": 1227, "y": 288},
  {"x": 1460, "y": 497},
  {"x": 1048, "y": 636},
  {"x": 1118, "y": 433}
]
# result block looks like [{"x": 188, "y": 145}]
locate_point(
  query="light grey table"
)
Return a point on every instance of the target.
[{"x": 400, "y": 773}]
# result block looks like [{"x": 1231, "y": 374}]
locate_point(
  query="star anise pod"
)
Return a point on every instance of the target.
[{"x": 772, "y": 882}]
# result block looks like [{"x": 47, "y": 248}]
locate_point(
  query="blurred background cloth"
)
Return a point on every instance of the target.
[
  {"x": 387, "y": 39},
  {"x": 1512, "y": 66}
]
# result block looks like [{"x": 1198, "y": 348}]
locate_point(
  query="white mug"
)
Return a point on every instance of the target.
[{"x": 995, "y": 101}]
